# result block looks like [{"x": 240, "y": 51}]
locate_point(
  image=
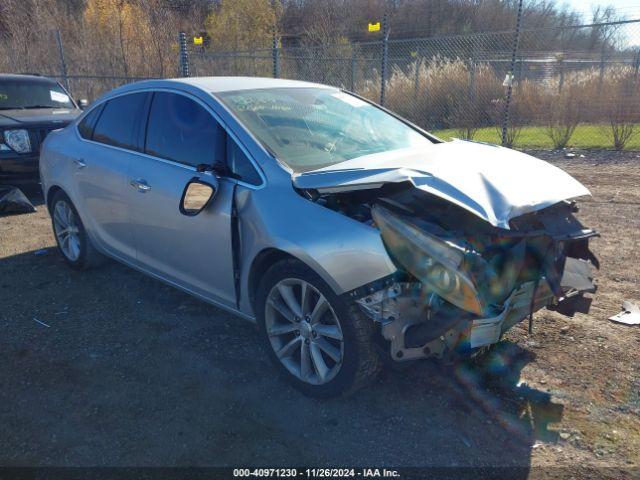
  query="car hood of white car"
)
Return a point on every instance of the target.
[{"x": 494, "y": 183}]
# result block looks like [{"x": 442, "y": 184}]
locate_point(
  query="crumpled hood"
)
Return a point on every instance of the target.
[
  {"x": 494, "y": 183},
  {"x": 24, "y": 117}
]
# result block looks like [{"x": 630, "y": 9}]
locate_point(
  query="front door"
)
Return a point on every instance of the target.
[{"x": 192, "y": 252}]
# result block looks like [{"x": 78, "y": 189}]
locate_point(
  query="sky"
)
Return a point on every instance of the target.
[{"x": 628, "y": 8}]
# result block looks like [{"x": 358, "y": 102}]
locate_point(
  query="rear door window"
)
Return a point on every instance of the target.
[
  {"x": 118, "y": 124},
  {"x": 181, "y": 130}
]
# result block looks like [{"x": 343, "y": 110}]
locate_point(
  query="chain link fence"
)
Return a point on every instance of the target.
[
  {"x": 576, "y": 86},
  {"x": 573, "y": 86}
]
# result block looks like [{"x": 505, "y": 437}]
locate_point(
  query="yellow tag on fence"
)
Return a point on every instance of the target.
[{"x": 374, "y": 27}]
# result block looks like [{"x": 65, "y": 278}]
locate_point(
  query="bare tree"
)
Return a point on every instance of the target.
[{"x": 622, "y": 106}]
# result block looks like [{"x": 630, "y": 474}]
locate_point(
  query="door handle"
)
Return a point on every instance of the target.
[
  {"x": 80, "y": 163},
  {"x": 140, "y": 184}
]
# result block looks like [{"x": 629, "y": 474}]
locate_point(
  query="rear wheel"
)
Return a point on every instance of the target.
[
  {"x": 71, "y": 237},
  {"x": 323, "y": 345}
]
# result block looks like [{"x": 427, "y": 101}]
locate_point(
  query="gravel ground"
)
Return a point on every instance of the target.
[{"x": 129, "y": 372}]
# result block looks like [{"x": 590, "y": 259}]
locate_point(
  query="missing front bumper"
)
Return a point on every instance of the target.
[
  {"x": 417, "y": 324},
  {"x": 530, "y": 297}
]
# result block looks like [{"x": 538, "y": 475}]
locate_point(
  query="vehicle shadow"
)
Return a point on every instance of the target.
[{"x": 109, "y": 367}]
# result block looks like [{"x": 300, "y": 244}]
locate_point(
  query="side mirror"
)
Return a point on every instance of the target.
[
  {"x": 83, "y": 103},
  {"x": 197, "y": 195}
]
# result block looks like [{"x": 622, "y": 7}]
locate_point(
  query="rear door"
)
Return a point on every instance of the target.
[
  {"x": 192, "y": 252},
  {"x": 111, "y": 132}
]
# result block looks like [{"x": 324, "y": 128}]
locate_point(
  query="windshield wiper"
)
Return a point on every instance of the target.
[{"x": 11, "y": 108}]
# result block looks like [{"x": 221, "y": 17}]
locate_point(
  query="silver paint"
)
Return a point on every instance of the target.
[
  {"x": 143, "y": 228},
  {"x": 498, "y": 184},
  {"x": 146, "y": 230}
]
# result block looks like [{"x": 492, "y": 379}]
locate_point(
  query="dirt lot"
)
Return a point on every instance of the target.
[{"x": 129, "y": 371}]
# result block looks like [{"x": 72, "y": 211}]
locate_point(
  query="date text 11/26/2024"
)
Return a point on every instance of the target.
[{"x": 316, "y": 472}]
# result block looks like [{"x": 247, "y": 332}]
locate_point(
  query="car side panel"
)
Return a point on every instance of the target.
[
  {"x": 97, "y": 190},
  {"x": 194, "y": 252},
  {"x": 345, "y": 253},
  {"x": 102, "y": 185}
]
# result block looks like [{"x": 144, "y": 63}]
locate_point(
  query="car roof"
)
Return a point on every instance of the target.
[
  {"x": 25, "y": 77},
  {"x": 225, "y": 84},
  {"x": 215, "y": 84}
]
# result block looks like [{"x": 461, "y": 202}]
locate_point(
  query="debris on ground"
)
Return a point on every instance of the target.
[
  {"x": 630, "y": 314},
  {"x": 13, "y": 201},
  {"x": 41, "y": 323}
]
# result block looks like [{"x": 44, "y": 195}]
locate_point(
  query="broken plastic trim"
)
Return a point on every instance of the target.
[
  {"x": 419, "y": 324},
  {"x": 405, "y": 312}
]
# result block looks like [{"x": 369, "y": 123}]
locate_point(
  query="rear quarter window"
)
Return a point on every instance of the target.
[{"x": 88, "y": 123}]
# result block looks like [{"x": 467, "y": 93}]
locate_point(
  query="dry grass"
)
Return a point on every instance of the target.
[
  {"x": 445, "y": 93},
  {"x": 455, "y": 95}
]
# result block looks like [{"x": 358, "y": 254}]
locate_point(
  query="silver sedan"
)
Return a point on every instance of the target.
[{"x": 349, "y": 235}]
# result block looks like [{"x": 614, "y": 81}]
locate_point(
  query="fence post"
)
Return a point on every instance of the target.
[
  {"x": 275, "y": 53},
  {"x": 385, "y": 54},
  {"x": 561, "y": 68},
  {"x": 514, "y": 53},
  {"x": 636, "y": 64},
  {"x": 184, "y": 55},
  {"x": 603, "y": 54},
  {"x": 416, "y": 79},
  {"x": 63, "y": 63},
  {"x": 353, "y": 70},
  {"x": 425, "y": 60},
  {"x": 472, "y": 80}
]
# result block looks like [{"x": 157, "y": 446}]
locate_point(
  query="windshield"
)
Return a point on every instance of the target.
[
  {"x": 311, "y": 128},
  {"x": 17, "y": 94}
]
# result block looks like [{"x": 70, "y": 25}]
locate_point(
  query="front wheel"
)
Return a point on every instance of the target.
[{"x": 322, "y": 344}]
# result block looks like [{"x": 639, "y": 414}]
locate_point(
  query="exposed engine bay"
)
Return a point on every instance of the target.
[{"x": 461, "y": 281}]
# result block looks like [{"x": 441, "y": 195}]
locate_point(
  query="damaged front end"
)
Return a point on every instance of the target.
[
  {"x": 462, "y": 282},
  {"x": 469, "y": 287}
]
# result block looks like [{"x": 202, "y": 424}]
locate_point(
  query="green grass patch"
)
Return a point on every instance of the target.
[{"x": 585, "y": 136}]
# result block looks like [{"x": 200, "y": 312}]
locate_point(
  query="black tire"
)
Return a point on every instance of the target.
[
  {"x": 89, "y": 257},
  {"x": 360, "y": 363}
]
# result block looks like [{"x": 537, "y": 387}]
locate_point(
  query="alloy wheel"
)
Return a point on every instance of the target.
[
  {"x": 304, "y": 331},
  {"x": 67, "y": 230}
]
